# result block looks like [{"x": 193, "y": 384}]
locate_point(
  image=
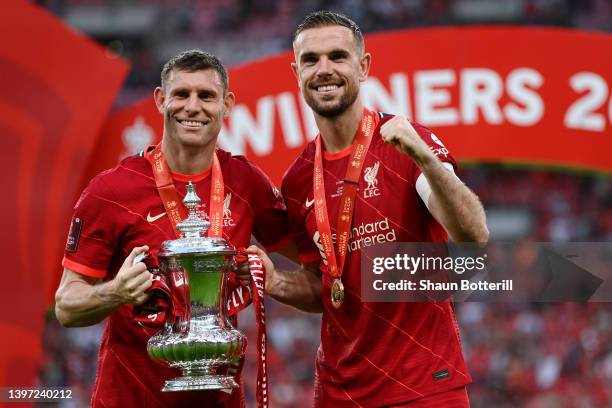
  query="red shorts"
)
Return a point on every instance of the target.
[{"x": 456, "y": 398}]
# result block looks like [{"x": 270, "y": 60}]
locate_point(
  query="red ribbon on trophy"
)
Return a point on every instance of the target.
[
  {"x": 258, "y": 283},
  {"x": 163, "y": 305}
]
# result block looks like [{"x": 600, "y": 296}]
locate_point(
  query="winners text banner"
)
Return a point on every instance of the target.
[{"x": 535, "y": 96}]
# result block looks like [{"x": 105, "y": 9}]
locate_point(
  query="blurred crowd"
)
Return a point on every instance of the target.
[
  {"x": 538, "y": 355},
  {"x": 561, "y": 206},
  {"x": 519, "y": 354}
]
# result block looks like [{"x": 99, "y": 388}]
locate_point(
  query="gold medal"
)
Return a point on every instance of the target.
[{"x": 337, "y": 293}]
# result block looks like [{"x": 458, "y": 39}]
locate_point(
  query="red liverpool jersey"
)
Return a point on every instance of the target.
[
  {"x": 375, "y": 354},
  {"x": 121, "y": 209}
]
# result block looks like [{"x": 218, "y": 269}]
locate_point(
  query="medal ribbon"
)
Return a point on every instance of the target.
[
  {"x": 368, "y": 123},
  {"x": 217, "y": 191},
  {"x": 170, "y": 198},
  {"x": 240, "y": 293}
]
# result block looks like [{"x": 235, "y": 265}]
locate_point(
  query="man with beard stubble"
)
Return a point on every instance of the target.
[{"x": 371, "y": 177}]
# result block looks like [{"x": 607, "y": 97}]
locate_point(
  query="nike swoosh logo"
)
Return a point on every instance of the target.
[
  {"x": 157, "y": 217},
  {"x": 309, "y": 202}
]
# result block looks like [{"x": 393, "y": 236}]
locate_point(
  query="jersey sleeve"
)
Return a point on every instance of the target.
[
  {"x": 307, "y": 250},
  {"x": 436, "y": 146},
  {"x": 91, "y": 238},
  {"x": 270, "y": 226}
]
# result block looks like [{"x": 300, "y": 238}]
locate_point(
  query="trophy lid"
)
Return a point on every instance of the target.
[{"x": 193, "y": 230}]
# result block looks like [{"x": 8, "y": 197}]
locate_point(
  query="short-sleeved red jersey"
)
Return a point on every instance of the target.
[
  {"x": 375, "y": 354},
  {"x": 121, "y": 209}
]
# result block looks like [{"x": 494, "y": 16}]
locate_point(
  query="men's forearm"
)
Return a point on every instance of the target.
[
  {"x": 300, "y": 289},
  {"x": 458, "y": 207},
  {"x": 85, "y": 305}
]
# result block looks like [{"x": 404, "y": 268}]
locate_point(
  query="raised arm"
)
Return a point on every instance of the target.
[
  {"x": 83, "y": 301},
  {"x": 451, "y": 202}
]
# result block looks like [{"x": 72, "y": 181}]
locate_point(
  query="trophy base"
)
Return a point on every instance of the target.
[{"x": 207, "y": 382}]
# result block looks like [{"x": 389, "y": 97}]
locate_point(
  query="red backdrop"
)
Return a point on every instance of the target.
[
  {"x": 57, "y": 89},
  {"x": 512, "y": 94}
]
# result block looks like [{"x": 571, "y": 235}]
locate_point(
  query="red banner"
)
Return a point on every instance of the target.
[
  {"x": 510, "y": 94},
  {"x": 126, "y": 132},
  {"x": 497, "y": 94},
  {"x": 57, "y": 89}
]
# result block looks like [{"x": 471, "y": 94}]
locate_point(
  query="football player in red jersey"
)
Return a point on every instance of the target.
[
  {"x": 121, "y": 214},
  {"x": 369, "y": 178}
]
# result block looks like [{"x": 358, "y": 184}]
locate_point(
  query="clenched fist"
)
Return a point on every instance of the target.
[
  {"x": 399, "y": 132},
  {"x": 132, "y": 280}
]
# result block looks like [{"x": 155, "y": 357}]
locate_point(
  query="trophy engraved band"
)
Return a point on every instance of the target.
[{"x": 203, "y": 343}]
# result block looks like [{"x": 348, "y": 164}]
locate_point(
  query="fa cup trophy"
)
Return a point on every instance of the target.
[{"x": 204, "y": 342}]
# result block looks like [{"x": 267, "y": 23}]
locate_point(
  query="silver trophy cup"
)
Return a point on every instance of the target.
[{"x": 204, "y": 343}]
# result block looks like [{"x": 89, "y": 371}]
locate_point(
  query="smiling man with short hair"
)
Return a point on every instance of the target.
[
  {"x": 123, "y": 212},
  {"x": 367, "y": 179}
]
